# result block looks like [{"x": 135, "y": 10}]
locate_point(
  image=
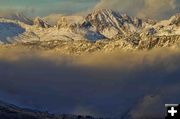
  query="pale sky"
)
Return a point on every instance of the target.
[
  {"x": 45, "y": 7},
  {"x": 140, "y": 8}
]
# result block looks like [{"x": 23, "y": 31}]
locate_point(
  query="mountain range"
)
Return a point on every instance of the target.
[
  {"x": 102, "y": 30},
  {"x": 103, "y": 26}
]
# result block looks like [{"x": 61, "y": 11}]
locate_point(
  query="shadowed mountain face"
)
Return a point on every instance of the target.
[
  {"x": 9, "y": 30},
  {"x": 8, "y": 111}
]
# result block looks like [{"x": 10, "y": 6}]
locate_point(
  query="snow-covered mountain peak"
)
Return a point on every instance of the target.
[
  {"x": 104, "y": 17},
  {"x": 167, "y": 27},
  {"x": 110, "y": 17},
  {"x": 175, "y": 19},
  {"x": 110, "y": 23},
  {"x": 70, "y": 22},
  {"x": 22, "y": 18},
  {"x": 107, "y": 12},
  {"x": 38, "y": 22},
  {"x": 98, "y": 25}
]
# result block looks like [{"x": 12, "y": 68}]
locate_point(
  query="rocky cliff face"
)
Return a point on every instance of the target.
[
  {"x": 111, "y": 23},
  {"x": 38, "y": 22},
  {"x": 70, "y": 23}
]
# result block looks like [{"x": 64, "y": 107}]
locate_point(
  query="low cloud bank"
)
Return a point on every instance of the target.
[
  {"x": 157, "y": 9},
  {"x": 110, "y": 85}
]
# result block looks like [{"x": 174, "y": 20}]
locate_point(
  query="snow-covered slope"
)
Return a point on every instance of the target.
[
  {"x": 75, "y": 26},
  {"x": 70, "y": 22},
  {"x": 13, "y": 31},
  {"x": 9, "y": 30},
  {"x": 98, "y": 25},
  {"x": 166, "y": 27},
  {"x": 110, "y": 23},
  {"x": 38, "y": 22}
]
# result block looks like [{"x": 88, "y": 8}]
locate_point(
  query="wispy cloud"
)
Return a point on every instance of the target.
[{"x": 143, "y": 8}]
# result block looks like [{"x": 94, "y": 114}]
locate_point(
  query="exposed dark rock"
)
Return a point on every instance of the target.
[{"x": 40, "y": 23}]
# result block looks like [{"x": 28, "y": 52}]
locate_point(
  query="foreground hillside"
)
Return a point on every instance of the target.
[{"x": 8, "y": 111}]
